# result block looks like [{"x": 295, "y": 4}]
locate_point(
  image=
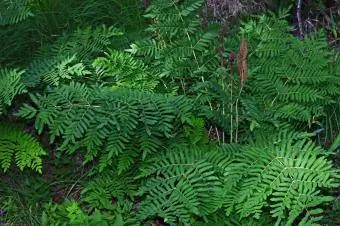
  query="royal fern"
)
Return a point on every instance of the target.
[
  {"x": 179, "y": 48},
  {"x": 14, "y": 11},
  {"x": 284, "y": 173},
  {"x": 10, "y": 86},
  {"x": 182, "y": 183},
  {"x": 21, "y": 147},
  {"x": 66, "y": 58},
  {"x": 292, "y": 76},
  {"x": 107, "y": 122}
]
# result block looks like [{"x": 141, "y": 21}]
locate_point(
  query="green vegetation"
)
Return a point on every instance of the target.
[{"x": 149, "y": 113}]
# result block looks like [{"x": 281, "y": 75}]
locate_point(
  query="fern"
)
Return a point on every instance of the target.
[
  {"x": 148, "y": 153},
  {"x": 179, "y": 48},
  {"x": 122, "y": 70},
  {"x": 22, "y": 196},
  {"x": 290, "y": 70},
  {"x": 14, "y": 11},
  {"x": 105, "y": 190},
  {"x": 107, "y": 122},
  {"x": 10, "y": 86},
  {"x": 182, "y": 183},
  {"x": 20, "y": 146},
  {"x": 284, "y": 174},
  {"x": 67, "y": 57},
  {"x": 70, "y": 213}
]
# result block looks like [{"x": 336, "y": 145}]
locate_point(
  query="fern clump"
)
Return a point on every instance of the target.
[
  {"x": 292, "y": 77},
  {"x": 67, "y": 57},
  {"x": 20, "y": 146},
  {"x": 69, "y": 212},
  {"x": 178, "y": 49},
  {"x": 106, "y": 122},
  {"x": 183, "y": 183},
  {"x": 109, "y": 188},
  {"x": 284, "y": 173},
  {"x": 194, "y": 124}
]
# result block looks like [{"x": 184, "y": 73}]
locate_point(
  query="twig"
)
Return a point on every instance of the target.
[{"x": 298, "y": 15}]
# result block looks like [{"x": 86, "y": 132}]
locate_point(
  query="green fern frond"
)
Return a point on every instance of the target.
[
  {"x": 54, "y": 71},
  {"x": 289, "y": 171},
  {"x": 106, "y": 189},
  {"x": 106, "y": 121},
  {"x": 67, "y": 57},
  {"x": 171, "y": 17},
  {"x": 289, "y": 70},
  {"x": 20, "y": 146},
  {"x": 14, "y": 11},
  {"x": 69, "y": 212},
  {"x": 10, "y": 86},
  {"x": 179, "y": 48},
  {"x": 181, "y": 183},
  {"x": 120, "y": 69},
  {"x": 85, "y": 43}
]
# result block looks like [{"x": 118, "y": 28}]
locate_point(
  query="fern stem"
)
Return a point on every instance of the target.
[
  {"x": 237, "y": 115},
  {"x": 231, "y": 111},
  {"x": 183, "y": 86}
]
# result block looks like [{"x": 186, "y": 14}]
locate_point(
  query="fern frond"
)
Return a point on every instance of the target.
[
  {"x": 14, "y": 11},
  {"x": 20, "y": 146},
  {"x": 67, "y": 57},
  {"x": 289, "y": 171},
  {"x": 105, "y": 121},
  {"x": 182, "y": 183},
  {"x": 179, "y": 48},
  {"x": 104, "y": 190},
  {"x": 171, "y": 17},
  {"x": 10, "y": 86},
  {"x": 120, "y": 69},
  {"x": 289, "y": 70}
]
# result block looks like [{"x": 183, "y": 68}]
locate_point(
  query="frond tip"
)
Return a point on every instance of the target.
[{"x": 19, "y": 145}]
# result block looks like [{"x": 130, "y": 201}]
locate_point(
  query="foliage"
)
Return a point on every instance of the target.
[
  {"x": 10, "y": 85},
  {"x": 69, "y": 213},
  {"x": 20, "y": 146},
  {"x": 290, "y": 70},
  {"x": 12, "y": 12},
  {"x": 107, "y": 122},
  {"x": 183, "y": 183},
  {"x": 65, "y": 58},
  {"x": 288, "y": 171},
  {"x": 178, "y": 49},
  {"x": 22, "y": 195},
  {"x": 105, "y": 191},
  {"x": 122, "y": 70},
  {"x": 194, "y": 124}
]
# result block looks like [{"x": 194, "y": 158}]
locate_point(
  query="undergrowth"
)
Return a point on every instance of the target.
[{"x": 149, "y": 114}]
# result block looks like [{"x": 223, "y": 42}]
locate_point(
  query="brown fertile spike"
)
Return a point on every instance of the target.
[{"x": 242, "y": 62}]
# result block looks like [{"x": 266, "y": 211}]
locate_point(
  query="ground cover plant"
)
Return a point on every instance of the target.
[{"x": 168, "y": 112}]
